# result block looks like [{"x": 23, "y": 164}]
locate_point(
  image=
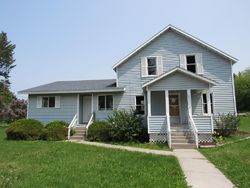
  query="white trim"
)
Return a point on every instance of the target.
[
  {"x": 208, "y": 103},
  {"x": 149, "y": 102},
  {"x": 105, "y": 110},
  {"x": 92, "y": 103},
  {"x": 60, "y": 92},
  {"x": 234, "y": 98},
  {"x": 183, "y": 71},
  {"x": 27, "y": 113},
  {"x": 189, "y": 101},
  {"x": 117, "y": 84},
  {"x": 43, "y": 96},
  {"x": 233, "y": 59},
  {"x": 78, "y": 106}
]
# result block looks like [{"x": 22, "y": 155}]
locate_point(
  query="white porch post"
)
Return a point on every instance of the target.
[
  {"x": 167, "y": 106},
  {"x": 189, "y": 101},
  {"x": 78, "y": 106},
  {"x": 92, "y": 103},
  {"x": 209, "y": 110},
  {"x": 149, "y": 102}
]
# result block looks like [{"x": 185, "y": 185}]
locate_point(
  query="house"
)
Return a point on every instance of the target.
[{"x": 175, "y": 80}]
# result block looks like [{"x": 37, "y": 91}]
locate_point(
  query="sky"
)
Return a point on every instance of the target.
[{"x": 79, "y": 39}]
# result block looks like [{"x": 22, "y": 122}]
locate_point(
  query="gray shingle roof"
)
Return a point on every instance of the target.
[{"x": 81, "y": 86}]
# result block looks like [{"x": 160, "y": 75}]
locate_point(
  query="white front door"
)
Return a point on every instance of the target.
[
  {"x": 174, "y": 108},
  {"x": 86, "y": 108}
]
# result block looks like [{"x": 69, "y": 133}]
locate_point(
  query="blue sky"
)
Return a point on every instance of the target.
[{"x": 77, "y": 39}]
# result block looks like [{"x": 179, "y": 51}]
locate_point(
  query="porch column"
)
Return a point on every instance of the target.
[
  {"x": 92, "y": 103},
  {"x": 149, "y": 102},
  {"x": 167, "y": 106},
  {"x": 78, "y": 106},
  {"x": 189, "y": 101}
]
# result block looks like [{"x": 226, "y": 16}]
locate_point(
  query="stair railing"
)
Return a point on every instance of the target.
[
  {"x": 193, "y": 128},
  {"x": 72, "y": 124},
  {"x": 91, "y": 120}
]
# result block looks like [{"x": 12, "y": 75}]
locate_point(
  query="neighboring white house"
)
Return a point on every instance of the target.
[{"x": 176, "y": 81}]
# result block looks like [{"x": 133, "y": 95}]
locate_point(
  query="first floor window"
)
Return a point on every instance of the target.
[
  {"x": 105, "y": 102},
  {"x": 139, "y": 105},
  {"x": 205, "y": 104},
  {"x": 48, "y": 102}
]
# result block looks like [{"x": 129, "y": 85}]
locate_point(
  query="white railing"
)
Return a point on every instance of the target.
[
  {"x": 193, "y": 129},
  {"x": 91, "y": 120},
  {"x": 72, "y": 124}
]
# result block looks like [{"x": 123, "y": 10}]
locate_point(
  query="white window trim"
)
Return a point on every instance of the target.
[
  {"x": 202, "y": 103},
  {"x": 155, "y": 66},
  {"x": 141, "y": 105},
  {"x": 48, "y": 102},
  {"x": 193, "y": 54},
  {"x": 105, "y": 103}
]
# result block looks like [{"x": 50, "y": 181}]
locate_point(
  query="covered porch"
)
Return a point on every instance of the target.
[{"x": 179, "y": 100}]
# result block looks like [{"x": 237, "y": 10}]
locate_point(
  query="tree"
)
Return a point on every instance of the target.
[{"x": 242, "y": 90}]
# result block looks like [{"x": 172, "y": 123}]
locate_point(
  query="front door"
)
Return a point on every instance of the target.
[
  {"x": 174, "y": 108},
  {"x": 86, "y": 108}
]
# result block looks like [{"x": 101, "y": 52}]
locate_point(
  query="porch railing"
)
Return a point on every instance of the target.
[
  {"x": 72, "y": 124},
  {"x": 193, "y": 129}
]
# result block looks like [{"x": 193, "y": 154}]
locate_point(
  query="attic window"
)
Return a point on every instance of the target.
[
  {"x": 151, "y": 62},
  {"x": 191, "y": 63}
]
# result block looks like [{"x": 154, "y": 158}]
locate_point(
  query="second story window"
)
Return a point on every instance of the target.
[
  {"x": 151, "y": 63},
  {"x": 191, "y": 63}
]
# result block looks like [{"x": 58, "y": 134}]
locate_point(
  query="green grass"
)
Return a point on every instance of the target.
[
  {"x": 64, "y": 164},
  {"x": 245, "y": 124},
  {"x": 159, "y": 146},
  {"x": 233, "y": 160}
]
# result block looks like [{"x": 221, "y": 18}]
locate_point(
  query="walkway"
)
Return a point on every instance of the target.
[{"x": 199, "y": 172}]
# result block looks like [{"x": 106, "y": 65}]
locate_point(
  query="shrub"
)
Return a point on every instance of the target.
[
  {"x": 55, "y": 130},
  {"x": 227, "y": 124},
  {"x": 24, "y": 129},
  {"x": 125, "y": 126},
  {"x": 99, "y": 131}
]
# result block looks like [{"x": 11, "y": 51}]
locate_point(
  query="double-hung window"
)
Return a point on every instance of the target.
[
  {"x": 152, "y": 68},
  {"x": 139, "y": 105},
  {"x": 191, "y": 63},
  {"x": 48, "y": 102},
  {"x": 205, "y": 103},
  {"x": 105, "y": 102}
]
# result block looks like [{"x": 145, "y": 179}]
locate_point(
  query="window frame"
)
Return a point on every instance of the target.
[
  {"x": 195, "y": 63},
  {"x": 156, "y": 72},
  {"x": 105, "y": 100},
  {"x": 49, "y": 102},
  {"x": 140, "y": 105},
  {"x": 211, "y": 103}
]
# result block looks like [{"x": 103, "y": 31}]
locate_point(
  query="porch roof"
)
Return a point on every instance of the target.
[
  {"x": 79, "y": 86},
  {"x": 182, "y": 71}
]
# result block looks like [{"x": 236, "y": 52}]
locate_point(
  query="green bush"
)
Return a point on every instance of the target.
[
  {"x": 125, "y": 126},
  {"x": 99, "y": 131},
  {"x": 55, "y": 130},
  {"x": 24, "y": 129},
  {"x": 227, "y": 125}
]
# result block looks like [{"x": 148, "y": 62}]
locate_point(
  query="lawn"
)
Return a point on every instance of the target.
[
  {"x": 234, "y": 159},
  {"x": 64, "y": 164}
]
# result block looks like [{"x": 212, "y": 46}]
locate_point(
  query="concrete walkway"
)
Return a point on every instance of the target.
[{"x": 200, "y": 173}]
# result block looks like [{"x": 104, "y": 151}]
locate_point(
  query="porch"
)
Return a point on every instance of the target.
[{"x": 180, "y": 109}]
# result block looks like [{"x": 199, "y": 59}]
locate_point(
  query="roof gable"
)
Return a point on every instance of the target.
[
  {"x": 179, "y": 31},
  {"x": 182, "y": 71}
]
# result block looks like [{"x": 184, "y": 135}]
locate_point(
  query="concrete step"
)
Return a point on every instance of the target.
[
  {"x": 80, "y": 131},
  {"x": 178, "y": 137},
  {"x": 183, "y": 146},
  {"x": 178, "y": 133},
  {"x": 77, "y": 137}
]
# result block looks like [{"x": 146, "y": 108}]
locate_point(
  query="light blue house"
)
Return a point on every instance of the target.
[{"x": 176, "y": 81}]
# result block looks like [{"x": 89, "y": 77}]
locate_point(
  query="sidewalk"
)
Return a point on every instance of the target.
[{"x": 200, "y": 173}]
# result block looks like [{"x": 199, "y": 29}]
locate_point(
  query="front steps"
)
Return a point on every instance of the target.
[
  {"x": 179, "y": 137},
  {"x": 79, "y": 134}
]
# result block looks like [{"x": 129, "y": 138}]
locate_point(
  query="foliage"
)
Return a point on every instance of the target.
[
  {"x": 24, "y": 129},
  {"x": 65, "y": 164},
  {"x": 242, "y": 90},
  {"x": 55, "y": 130},
  {"x": 99, "y": 131},
  {"x": 125, "y": 126},
  {"x": 17, "y": 109},
  {"x": 227, "y": 124},
  {"x": 217, "y": 138}
]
